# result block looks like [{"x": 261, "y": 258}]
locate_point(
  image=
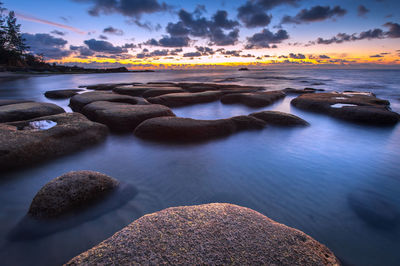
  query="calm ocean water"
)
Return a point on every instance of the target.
[{"x": 336, "y": 181}]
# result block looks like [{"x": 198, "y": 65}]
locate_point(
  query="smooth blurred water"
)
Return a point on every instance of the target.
[{"x": 323, "y": 179}]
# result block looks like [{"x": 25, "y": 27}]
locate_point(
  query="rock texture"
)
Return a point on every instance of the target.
[
  {"x": 303, "y": 91},
  {"x": 255, "y": 99},
  {"x": 187, "y": 129},
  {"x": 131, "y": 90},
  {"x": 21, "y": 146},
  {"x": 12, "y": 101},
  {"x": 211, "y": 234},
  {"x": 352, "y": 106},
  {"x": 123, "y": 116},
  {"x": 280, "y": 118},
  {"x": 186, "y": 98},
  {"x": 225, "y": 88},
  {"x": 161, "y": 91},
  {"x": 69, "y": 192},
  {"x": 28, "y": 110},
  {"x": 61, "y": 94},
  {"x": 79, "y": 101}
]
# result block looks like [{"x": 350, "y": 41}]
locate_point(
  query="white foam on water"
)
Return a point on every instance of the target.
[{"x": 340, "y": 105}]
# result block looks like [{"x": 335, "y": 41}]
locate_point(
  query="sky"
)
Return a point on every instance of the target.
[{"x": 180, "y": 34}]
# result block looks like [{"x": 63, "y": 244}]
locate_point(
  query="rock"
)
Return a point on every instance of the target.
[
  {"x": 298, "y": 91},
  {"x": 280, "y": 118},
  {"x": 162, "y": 84},
  {"x": 185, "y": 98},
  {"x": 79, "y": 101},
  {"x": 71, "y": 191},
  {"x": 108, "y": 87},
  {"x": 61, "y": 94},
  {"x": 161, "y": 91},
  {"x": 131, "y": 90},
  {"x": 255, "y": 99},
  {"x": 226, "y": 88},
  {"x": 122, "y": 116},
  {"x": 22, "y": 145},
  {"x": 210, "y": 234},
  {"x": 28, "y": 110},
  {"x": 354, "y": 107},
  {"x": 243, "y": 69},
  {"x": 187, "y": 129},
  {"x": 12, "y": 101}
]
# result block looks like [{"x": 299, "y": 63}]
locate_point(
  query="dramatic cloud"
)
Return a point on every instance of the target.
[
  {"x": 57, "y": 32},
  {"x": 253, "y": 13},
  {"x": 297, "y": 56},
  {"x": 114, "y": 31},
  {"x": 394, "y": 30},
  {"x": 219, "y": 30},
  {"x": 362, "y": 10},
  {"x": 129, "y": 8},
  {"x": 265, "y": 38},
  {"x": 84, "y": 52},
  {"x": 192, "y": 54},
  {"x": 157, "y": 53},
  {"x": 104, "y": 47},
  {"x": 322, "y": 56},
  {"x": 46, "y": 45},
  {"x": 316, "y": 13}
]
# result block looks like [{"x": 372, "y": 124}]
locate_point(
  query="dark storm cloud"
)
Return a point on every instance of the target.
[
  {"x": 316, "y": 13},
  {"x": 362, "y": 10},
  {"x": 297, "y": 56},
  {"x": 104, "y": 47},
  {"x": 46, "y": 45},
  {"x": 57, "y": 32},
  {"x": 265, "y": 38},
  {"x": 114, "y": 31},
  {"x": 129, "y": 8},
  {"x": 253, "y": 13},
  {"x": 219, "y": 30}
]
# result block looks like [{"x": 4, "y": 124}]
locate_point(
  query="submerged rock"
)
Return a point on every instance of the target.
[
  {"x": 28, "y": 110},
  {"x": 22, "y": 145},
  {"x": 354, "y": 106},
  {"x": 69, "y": 192},
  {"x": 123, "y": 116},
  {"x": 79, "y": 101},
  {"x": 61, "y": 94},
  {"x": 186, "y": 98},
  {"x": 211, "y": 234},
  {"x": 280, "y": 118},
  {"x": 187, "y": 129},
  {"x": 255, "y": 99}
]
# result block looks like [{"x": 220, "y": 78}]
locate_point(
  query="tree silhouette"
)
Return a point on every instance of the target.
[{"x": 15, "y": 42}]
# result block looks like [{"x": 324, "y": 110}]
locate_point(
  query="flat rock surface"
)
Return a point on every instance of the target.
[
  {"x": 254, "y": 99},
  {"x": 21, "y": 144},
  {"x": 186, "y": 98},
  {"x": 123, "y": 116},
  {"x": 79, "y": 101},
  {"x": 70, "y": 191},
  {"x": 28, "y": 110},
  {"x": 352, "y": 106},
  {"x": 211, "y": 234},
  {"x": 61, "y": 94},
  {"x": 161, "y": 91},
  {"x": 200, "y": 87},
  {"x": 12, "y": 101},
  {"x": 187, "y": 129},
  {"x": 131, "y": 90},
  {"x": 279, "y": 118}
]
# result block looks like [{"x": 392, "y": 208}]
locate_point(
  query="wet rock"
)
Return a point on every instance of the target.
[
  {"x": 131, "y": 90},
  {"x": 108, "y": 87},
  {"x": 187, "y": 129},
  {"x": 226, "y": 88},
  {"x": 28, "y": 110},
  {"x": 303, "y": 91},
  {"x": 356, "y": 107},
  {"x": 22, "y": 145},
  {"x": 280, "y": 118},
  {"x": 256, "y": 99},
  {"x": 122, "y": 116},
  {"x": 186, "y": 98},
  {"x": 161, "y": 91},
  {"x": 79, "y": 101},
  {"x": 61, "y": 94},
  {"x": 12, "y": 101},
  {"x": 69, "y": 192},
  {"x": 211, "y": 234}
]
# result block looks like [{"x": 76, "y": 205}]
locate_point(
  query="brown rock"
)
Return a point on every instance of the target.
[
  {"x": 12, "y": 101},
  {"x": 211, "y": 234},
  {"x": 255, "y": 99},
  {"x": 131, "y": 90},
  {"x": 161, "y": 91},
  {"x": 70, "y": 192},
  {"x": 186, "y": 98},
  {"x": 122, "y": 116},
  {"x": 280, "y": 118},
  {"x": 61, "y": 94},
  {"x": 28, "y": 110}
]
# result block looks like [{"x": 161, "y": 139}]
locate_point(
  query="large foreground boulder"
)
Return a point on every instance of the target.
[
  {"x": 79, "y": 101},
  {"x": 280, "y": 118},
  {"x": 255, "y": 99},
  {"x": 352, "y": 106},
  {"x": 28, "y": 110},
  {"x": 211, "y": 234},
  {"x": 71, "y": 191},
  {"x": 187, "y": 129},
  {"x": 123, "y": 116},
  {"x": 27, "y": 142},
  {"x": 61, "y": 94},
  {"x": 186, "y": 98},
  {"x": 12, "y": 101}
]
